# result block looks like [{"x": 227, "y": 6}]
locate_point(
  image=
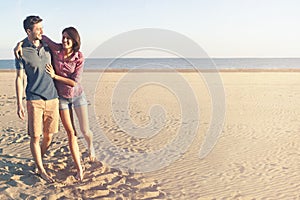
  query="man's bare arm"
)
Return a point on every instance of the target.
[{"x": 19, "y": 92}]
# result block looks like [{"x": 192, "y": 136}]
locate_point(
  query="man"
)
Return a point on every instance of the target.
[{"x": 41, "y": 95}]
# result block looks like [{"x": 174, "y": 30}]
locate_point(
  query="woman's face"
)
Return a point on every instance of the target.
[{"x": 67, "y": 42}]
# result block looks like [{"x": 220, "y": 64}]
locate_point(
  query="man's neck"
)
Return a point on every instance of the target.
[{"x": 35, "y": 42}]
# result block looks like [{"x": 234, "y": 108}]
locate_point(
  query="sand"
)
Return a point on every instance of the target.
[{"x": 256, "y": 156}]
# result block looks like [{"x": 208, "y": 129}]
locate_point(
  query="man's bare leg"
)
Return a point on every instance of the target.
[
  {"x": 47, "y": 139},
  {"x": 36, "y": 153}
]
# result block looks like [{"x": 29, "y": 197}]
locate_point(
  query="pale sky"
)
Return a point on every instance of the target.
[{"x": 223, "y": 28}]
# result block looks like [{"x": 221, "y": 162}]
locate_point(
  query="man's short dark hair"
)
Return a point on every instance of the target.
[{"x": 30, "y": 21}]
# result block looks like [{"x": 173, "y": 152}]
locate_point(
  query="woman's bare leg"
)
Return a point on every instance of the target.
[
  {"x": 67, "y": 122},
  {"x": 82, "y": 115}
]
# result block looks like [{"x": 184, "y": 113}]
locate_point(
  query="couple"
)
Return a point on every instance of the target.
[{"x": 51, "y": 91}]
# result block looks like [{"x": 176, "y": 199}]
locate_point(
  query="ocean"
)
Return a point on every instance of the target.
[{"x": 179, "y": 63}]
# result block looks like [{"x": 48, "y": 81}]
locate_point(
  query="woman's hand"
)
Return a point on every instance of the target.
[
  {"x": 50, "y": 70},
  {"x": 18, "y": 50}
]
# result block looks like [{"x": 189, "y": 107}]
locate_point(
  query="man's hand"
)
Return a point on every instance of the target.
[{"x": 21, "y": 112}]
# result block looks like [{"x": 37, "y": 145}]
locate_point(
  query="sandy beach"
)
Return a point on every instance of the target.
[{"x": 257, "y": 155}]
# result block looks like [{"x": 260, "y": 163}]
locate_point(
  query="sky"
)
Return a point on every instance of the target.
[{"x": 223, "y": 28}]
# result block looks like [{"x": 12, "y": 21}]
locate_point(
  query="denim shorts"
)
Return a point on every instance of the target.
[{"x": 67, "y": 103}]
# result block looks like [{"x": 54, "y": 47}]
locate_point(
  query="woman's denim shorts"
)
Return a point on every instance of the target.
[{"x": 67, "y": 103}]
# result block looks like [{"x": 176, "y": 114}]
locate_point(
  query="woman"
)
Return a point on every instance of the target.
[{"x": 68, "y": 65}]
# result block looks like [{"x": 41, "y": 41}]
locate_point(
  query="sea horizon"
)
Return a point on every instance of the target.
[{"x": 141, "y": 63}]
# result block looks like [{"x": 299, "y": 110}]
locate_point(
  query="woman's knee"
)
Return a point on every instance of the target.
[
  {"x": 87, "y": 132},
  {"x": 71, "y": 133}
]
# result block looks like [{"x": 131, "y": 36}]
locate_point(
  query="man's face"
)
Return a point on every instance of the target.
[{"x": 37, "y": 32}]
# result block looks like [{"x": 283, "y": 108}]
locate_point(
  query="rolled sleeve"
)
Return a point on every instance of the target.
[{"x": 19, "y": 63}]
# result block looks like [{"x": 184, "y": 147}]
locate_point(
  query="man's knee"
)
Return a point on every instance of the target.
[
  {"x": 35, "y": 138},
  {"x": 47, "y": 136}
]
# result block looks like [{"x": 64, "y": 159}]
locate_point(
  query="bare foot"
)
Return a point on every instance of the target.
[
  {"x": 92, "y": 155},
  {"x": 79, "y": 176},
  {"x": 36, "y": 170},
  {"x": 46, "y": 177}
]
